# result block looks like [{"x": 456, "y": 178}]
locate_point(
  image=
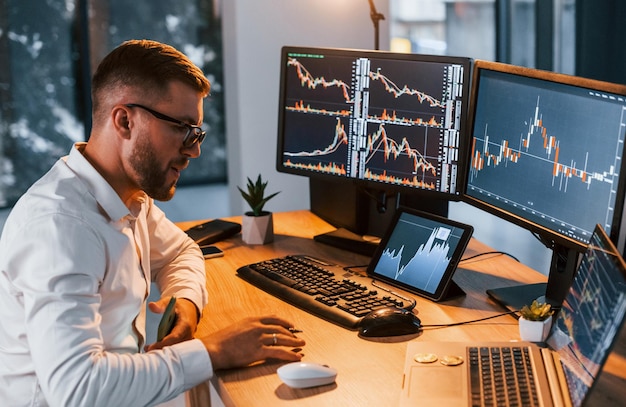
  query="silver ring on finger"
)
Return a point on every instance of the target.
[{"x": 274, "y": 339}]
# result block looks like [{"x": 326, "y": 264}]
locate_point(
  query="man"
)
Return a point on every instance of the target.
[{"x": 81, "y": 247}]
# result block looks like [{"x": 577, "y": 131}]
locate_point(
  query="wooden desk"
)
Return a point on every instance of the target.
[{"x": 369, "y": 371}]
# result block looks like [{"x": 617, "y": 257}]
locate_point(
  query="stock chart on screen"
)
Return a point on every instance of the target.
[
  {"x": 374, "y": 117},
  {"x": 547, "y": 151}
]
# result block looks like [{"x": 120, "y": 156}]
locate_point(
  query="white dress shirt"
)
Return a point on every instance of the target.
[{"x": 75, "y": 270}]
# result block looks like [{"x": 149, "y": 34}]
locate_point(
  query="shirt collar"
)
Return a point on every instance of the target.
[{"x": 104, "y": 194}]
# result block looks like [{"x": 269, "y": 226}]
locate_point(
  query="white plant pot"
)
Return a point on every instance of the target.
[
  {"x": 534, "y": 331},
  {"x": 257, "y": 229}
]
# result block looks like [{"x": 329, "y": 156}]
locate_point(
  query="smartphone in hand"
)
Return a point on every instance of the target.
[{"x": 167, "y": 320}]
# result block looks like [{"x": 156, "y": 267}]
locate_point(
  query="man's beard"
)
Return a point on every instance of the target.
[{"x": 152, "y": 180}]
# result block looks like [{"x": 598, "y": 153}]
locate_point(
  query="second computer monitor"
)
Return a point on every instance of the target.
[
  {"x": 547, "y": 154},
  {"x": 547, "y": 151}
]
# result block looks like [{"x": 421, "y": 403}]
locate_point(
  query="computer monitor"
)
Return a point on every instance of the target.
[
  {"x": 382, "y": 122},
  {"x": 547, "y": 154}
]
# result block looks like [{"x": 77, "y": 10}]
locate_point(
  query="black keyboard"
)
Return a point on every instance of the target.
[
  {"x": 501, "y": 376},
  {"x": 322, "y": 289}
]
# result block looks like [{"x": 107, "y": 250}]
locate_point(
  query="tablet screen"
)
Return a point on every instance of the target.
[{"x": 420, "y": 252}]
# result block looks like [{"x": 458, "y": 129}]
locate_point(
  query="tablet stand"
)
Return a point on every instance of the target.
[{"x": 453, "y": 291}]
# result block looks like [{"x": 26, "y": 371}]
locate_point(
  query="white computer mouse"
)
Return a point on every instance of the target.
[{"x": 301, "y": 375}]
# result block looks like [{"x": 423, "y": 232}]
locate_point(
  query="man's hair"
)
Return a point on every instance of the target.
[{"x": 147, "y": 66}]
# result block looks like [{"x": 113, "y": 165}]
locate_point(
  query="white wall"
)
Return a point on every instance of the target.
[{"x": 254, "y": 32}]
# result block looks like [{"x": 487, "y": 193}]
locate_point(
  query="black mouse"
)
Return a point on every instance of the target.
[{"x": 389, "y": 321}]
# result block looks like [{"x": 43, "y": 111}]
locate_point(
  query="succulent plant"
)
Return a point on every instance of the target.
[
  {"x": 536, "y": 311},
  {"x": 255, "y": 197}
]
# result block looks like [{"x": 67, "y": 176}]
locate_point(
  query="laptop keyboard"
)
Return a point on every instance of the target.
[
  {"x": 501, "y": 376},
  {"x": 317, "y": 289}
]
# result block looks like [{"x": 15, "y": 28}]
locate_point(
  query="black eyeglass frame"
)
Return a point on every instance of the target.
[{"x": 198, "y": 133}]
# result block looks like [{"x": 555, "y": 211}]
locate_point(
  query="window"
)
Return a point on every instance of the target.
[
  {"x": 529, "y": 33},
  {"x": 39, "y": 117},
  {"x": 459, "y": 28},
  {"x": 44, "y": 87}
]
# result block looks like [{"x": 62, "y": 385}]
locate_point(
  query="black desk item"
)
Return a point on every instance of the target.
[
  {"x": 213, "y": 231},
  {"x": 344, "y": 239}
]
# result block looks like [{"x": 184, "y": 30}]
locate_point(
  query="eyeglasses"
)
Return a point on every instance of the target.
[{"x": 194, "y": 134}]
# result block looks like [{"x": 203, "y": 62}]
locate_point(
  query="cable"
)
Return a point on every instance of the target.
[
  {"x": 414, "y": 303},
  {"x": 486, "y": 253},
  {"x": 469, "y": 322},
  {"x": 349, "y": 268}
]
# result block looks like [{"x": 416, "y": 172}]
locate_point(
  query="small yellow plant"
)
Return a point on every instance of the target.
[{"x": 536, "y": 311}]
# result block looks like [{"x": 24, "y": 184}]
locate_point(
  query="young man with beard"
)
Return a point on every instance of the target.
[{"x": 80, "y": 249}]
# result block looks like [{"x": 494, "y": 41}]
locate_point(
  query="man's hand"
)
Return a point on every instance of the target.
[
  {"x": 252, "y": 340},
  {"x": 184, "y": 326}
]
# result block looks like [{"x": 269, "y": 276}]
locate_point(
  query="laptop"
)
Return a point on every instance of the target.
[{"x": 564, "y": 369}]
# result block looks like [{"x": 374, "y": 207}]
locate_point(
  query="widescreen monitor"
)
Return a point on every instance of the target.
[
  {"x": 546, "y": 153},
  {"x": 381, "y": 119}
]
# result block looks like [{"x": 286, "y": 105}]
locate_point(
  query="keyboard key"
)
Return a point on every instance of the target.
[{"x": 501, "y": 377}]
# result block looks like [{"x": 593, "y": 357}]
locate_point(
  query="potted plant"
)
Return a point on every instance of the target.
[
  {"x": 257, "y": 226},
  {"x": 535, "y": 321}
]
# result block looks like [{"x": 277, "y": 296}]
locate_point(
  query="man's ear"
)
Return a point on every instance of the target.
[{"x": 120, "y": 116}]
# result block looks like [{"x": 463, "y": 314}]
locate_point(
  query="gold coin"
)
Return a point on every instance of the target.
[
  {"x": 451, "y": 360},
  {"x": 425, "y": 357}
]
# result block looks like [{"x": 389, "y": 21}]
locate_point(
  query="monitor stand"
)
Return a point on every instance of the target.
[
  {"x": 346, "y": 240},
  {"x": 562, "y": 271},
  {"x": 361, "y": 215},
  {"x": 343, "y": 205}
]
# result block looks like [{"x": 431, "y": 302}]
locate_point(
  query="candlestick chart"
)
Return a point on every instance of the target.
[
  {"x": 561, "y": 172},
  {"x": 373, "y": 119},
  {"x": 548, "y": 156}
]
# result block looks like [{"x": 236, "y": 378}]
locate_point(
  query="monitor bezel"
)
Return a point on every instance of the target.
[
  {"x": 362, "y": 184},
  {"x": 551, "y": 238}
]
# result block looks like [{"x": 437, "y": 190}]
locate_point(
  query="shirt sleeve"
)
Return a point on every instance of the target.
[
  {"x": 59, "y": 285},
  {"x": 176, "y": 260}
]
